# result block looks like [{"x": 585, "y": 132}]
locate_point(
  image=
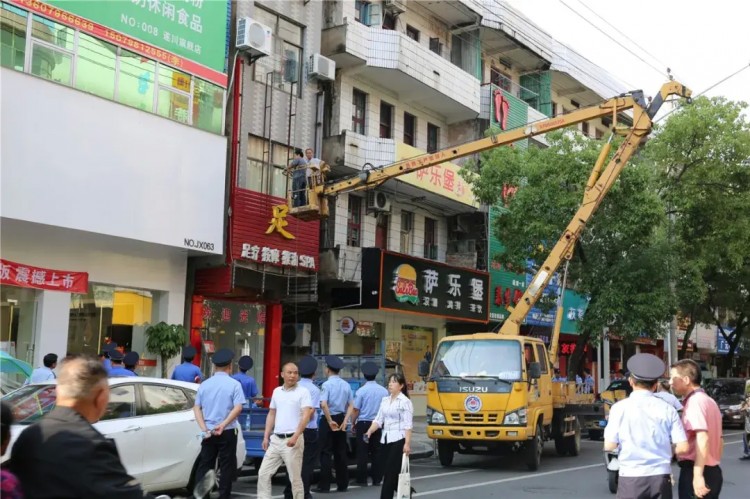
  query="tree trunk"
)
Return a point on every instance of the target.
[
  {"x": 683, "y": 350},
  {"x": 575, "y": 359},
  {"x": 164, "y": 362}
]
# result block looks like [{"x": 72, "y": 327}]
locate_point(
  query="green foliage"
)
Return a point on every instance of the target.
[{"x": 165, "y": 340}]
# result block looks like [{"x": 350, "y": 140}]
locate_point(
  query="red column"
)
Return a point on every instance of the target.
[
  {"x": 272, "y": 354},
  {"x": 196, "y": 323}
]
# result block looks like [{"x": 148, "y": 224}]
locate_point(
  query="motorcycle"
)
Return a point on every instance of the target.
[{"x": 202, "y": 489}]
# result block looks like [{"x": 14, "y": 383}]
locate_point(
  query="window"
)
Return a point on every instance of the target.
[
  {"x": 256, "y": 177},
  {"x": 410, "y": 129},
  {"x": 407, "y": 230},
  {"x": 433, "y": 137},
  {"x": 436, "y": 46},
  {"x": 354, "y": 225},
  {"x": 52, "y": 50},
  {"x": 359, "y": 110},
  {"x": 367, "y": 13},
  {"x": 598, "y": 134},
  {"x": 465, "y": 52},
  {"x": 208, "y": 103},
  {"x": 121, "y": 402},
  {"x": 575, "y": 104},
  {"x": 389, "y": 21},
  {"x": 285, "y": 64},
  {"x": 541, "y": 354},
  {"x": 386, "y": 120},
  {"x": 412, "y": 33},
  {"x": 159, "y": 399},
  {"x": 500, "y": 79},
  {"x": 585, "y": 128},
  {"x": 136, "y": 81},
  {"x": 174, "y": 94},
  {"x": 13, "y": 40},
  {"x": 430, "y": 238},
  {"x": 96, "y": 66},
  {"x": 360, "y": 10},
  {"x": 554, "y": 109}
]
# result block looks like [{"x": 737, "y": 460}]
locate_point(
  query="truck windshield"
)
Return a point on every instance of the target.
[{"x": 479, "y": 358}]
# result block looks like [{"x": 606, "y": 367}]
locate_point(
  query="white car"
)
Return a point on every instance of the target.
[{"x": 150, "y": 419}]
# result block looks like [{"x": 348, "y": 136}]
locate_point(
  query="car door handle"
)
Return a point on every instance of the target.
[{"x": 132, "y": 428}]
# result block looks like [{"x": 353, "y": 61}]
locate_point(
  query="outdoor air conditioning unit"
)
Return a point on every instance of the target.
[
  {"x": 254, "y": 37},
  {"x": 395, "y": 6},
  {"x": 296, "y": 335},
  {"x": 322, "y": 68},
  {"x": 378, "y": 201}
]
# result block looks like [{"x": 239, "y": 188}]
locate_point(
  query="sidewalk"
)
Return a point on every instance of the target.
[{"x": 421, "y": 445}]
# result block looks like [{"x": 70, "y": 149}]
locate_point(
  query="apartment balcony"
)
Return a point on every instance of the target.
[
  {"x": 394, "y": 61},
  {"x": 455, "y": 13},
  {"x": 439, "y": 187}
]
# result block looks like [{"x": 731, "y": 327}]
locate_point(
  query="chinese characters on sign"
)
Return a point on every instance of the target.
[
  {"x": 278, "y": 221},
  {"x": 422, "y": 286},
  {"x": 28, "y": 276},
  {"x": 276, "y": 256}
]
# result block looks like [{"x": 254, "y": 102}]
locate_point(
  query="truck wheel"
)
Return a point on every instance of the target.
[
  {"x": 561, "y": 446},
  {"x": 612, "y": 478},
  {"x": 533, "y": 449},
  {"x": 573, "y": 442},
  {"x": 445, "y": 452}
]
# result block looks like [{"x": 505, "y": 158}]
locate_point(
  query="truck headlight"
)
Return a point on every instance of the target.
[
  {"x": 435, "y": 417},
  {"x": 517, "y": 417}
]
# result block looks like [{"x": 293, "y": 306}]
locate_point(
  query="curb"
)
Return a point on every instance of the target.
[{"x": 422, "y": 455}]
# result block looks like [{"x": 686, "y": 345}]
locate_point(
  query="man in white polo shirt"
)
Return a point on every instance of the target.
[{"x": 289, "y": 413}]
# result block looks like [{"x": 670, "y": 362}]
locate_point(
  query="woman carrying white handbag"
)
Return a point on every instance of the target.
[{"x": 395, "y": 419}]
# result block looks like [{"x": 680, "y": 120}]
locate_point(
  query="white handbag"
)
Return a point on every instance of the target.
[{"x": 404, "y": 480}]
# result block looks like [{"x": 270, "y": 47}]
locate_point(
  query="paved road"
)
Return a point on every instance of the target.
[{"x": 483, "y": 476}]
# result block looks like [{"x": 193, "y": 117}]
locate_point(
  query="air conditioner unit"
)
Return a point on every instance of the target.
[
  {"x": 296, "y": 335},
  {"x": 378, "y": 201},
  {"x": 254, "y": 37},
  {"x": 322, "y": 68},
  {"x": 395, "y": 6}
]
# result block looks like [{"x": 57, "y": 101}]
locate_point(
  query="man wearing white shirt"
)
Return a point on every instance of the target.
[
  {"x": 289, "y": 413},
  {"x": 45, "y": 373}
]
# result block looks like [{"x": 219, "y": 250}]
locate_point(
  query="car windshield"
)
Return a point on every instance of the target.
[
  {"x": 726, "y": 389},
  {"x": 478, "y": 358},
  {"x": 29, "y": 403}
]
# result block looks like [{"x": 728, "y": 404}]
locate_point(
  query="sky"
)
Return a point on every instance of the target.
[{"x": 702, "y": 42}]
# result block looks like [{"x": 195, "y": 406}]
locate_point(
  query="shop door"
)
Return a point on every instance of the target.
[{"x": 381, "y": 232}]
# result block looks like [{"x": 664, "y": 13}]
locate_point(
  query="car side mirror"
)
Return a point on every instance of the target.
[
  {"x": 535, "y": 370},
  {"x": 423, "y": 369}
]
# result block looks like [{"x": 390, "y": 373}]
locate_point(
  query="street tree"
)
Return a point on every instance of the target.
[
  {"x": 622, "y": 260},
  {"x": 702, "y": 156},
  {"x": 166, "y": 341}
]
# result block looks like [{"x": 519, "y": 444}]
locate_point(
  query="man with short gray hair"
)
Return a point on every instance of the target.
[{"x": 63, "y": 455}]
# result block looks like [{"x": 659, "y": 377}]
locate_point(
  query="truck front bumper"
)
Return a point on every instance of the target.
[{"x": 485, "y": 433}]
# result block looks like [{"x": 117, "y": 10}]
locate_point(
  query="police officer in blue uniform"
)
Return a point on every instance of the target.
[
  {"x": 217, "y": 405},
  {"x": 336, "y": 403},
  {"x": 106, "y": 349},
  {"x": 249, "y": 388},
  {"x": 646, "y": 429},
  {"x": 366, "y": 404},
  {"x": 187, "y": 371},
  {"x": 116, "y": 357},
  {"x": 131, "y": 362},
  {"x": 307, "y": 367}
]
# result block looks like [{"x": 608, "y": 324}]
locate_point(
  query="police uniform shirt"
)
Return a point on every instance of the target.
[
  {"x": 120, "y": 371},
  {"x": 337, "y": 393},
  {"x": 187, "y": 371},
  {"x": 645, "y": 428},
  {"x": 669, "y": 399},
  {"x": 308, "y": 384},
  {"x": 216, "y": 397},
  {"x": 367, "y": 400},
  {"x": 249, "y": 388},
  {"x": 107, "y": 365}
]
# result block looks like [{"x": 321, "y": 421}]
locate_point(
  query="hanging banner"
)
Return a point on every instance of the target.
[{"x": 28, "y": 276}]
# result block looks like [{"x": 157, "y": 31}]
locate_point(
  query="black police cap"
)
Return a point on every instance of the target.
[
  {"x": 245, "y": 362},
  {"x": 370, "y": 369},
  {"x": 334, "y": 362},
  {"x": 116, "y": 355},
  {"x": 131, "y": 358},
  {"x": 223, "y": 357},
  {"x": 646, "y": 367},
  {"x": 307, "y": 365},
  {"x": 188, "y": 352}
]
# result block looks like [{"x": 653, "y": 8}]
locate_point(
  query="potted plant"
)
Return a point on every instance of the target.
[{"x": 166, "y": 341}]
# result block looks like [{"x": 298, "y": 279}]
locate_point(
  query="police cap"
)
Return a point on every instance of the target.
[
  {"x": 188, "y": 352},
  {"x": 108, "y": 347},
  {"x": 646, "y": 367},
  {"x": 223, "y": 357},
  {"x": 245, "y": 362},
  {"x": 307, "y": 365},
  {"x": 131, "y": 358},
  {"x": 370, "y": 369},
  {"x": 334, "y": 362},
  {"x": 116, "y": 355}
]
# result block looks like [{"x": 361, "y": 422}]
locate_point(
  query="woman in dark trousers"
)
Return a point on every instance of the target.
[{"x": 395, "y": 419}]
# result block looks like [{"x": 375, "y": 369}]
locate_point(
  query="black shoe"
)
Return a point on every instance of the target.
[
  {"x": 745, "y": 457},
  {"x": 342, "y": 490}
]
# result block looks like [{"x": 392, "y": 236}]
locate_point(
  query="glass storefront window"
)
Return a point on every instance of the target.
[
  {"x": 208, "y": 105},
  {"x": 17, "y": 321},
  {"x": 51, "y": 64},
  {"x": 13, "y": 37},
  {"x": 136, "y": 81},
  {"x": 96, "y": 66},
  {"x": 367, "y": 338},
  {"x": 109, "y": 313},
  {"x": 173, "y": 105},
  {"x": 53, "y": 33},
  {"x": 239, "y": 326}
]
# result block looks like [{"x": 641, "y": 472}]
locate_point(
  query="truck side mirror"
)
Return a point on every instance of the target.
[
  {"x": 535, "y": 370},
  {"x": 423, "y": 369}
]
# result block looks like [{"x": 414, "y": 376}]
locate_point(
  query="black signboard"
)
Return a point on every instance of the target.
[{"x": 392, "y": 281}]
